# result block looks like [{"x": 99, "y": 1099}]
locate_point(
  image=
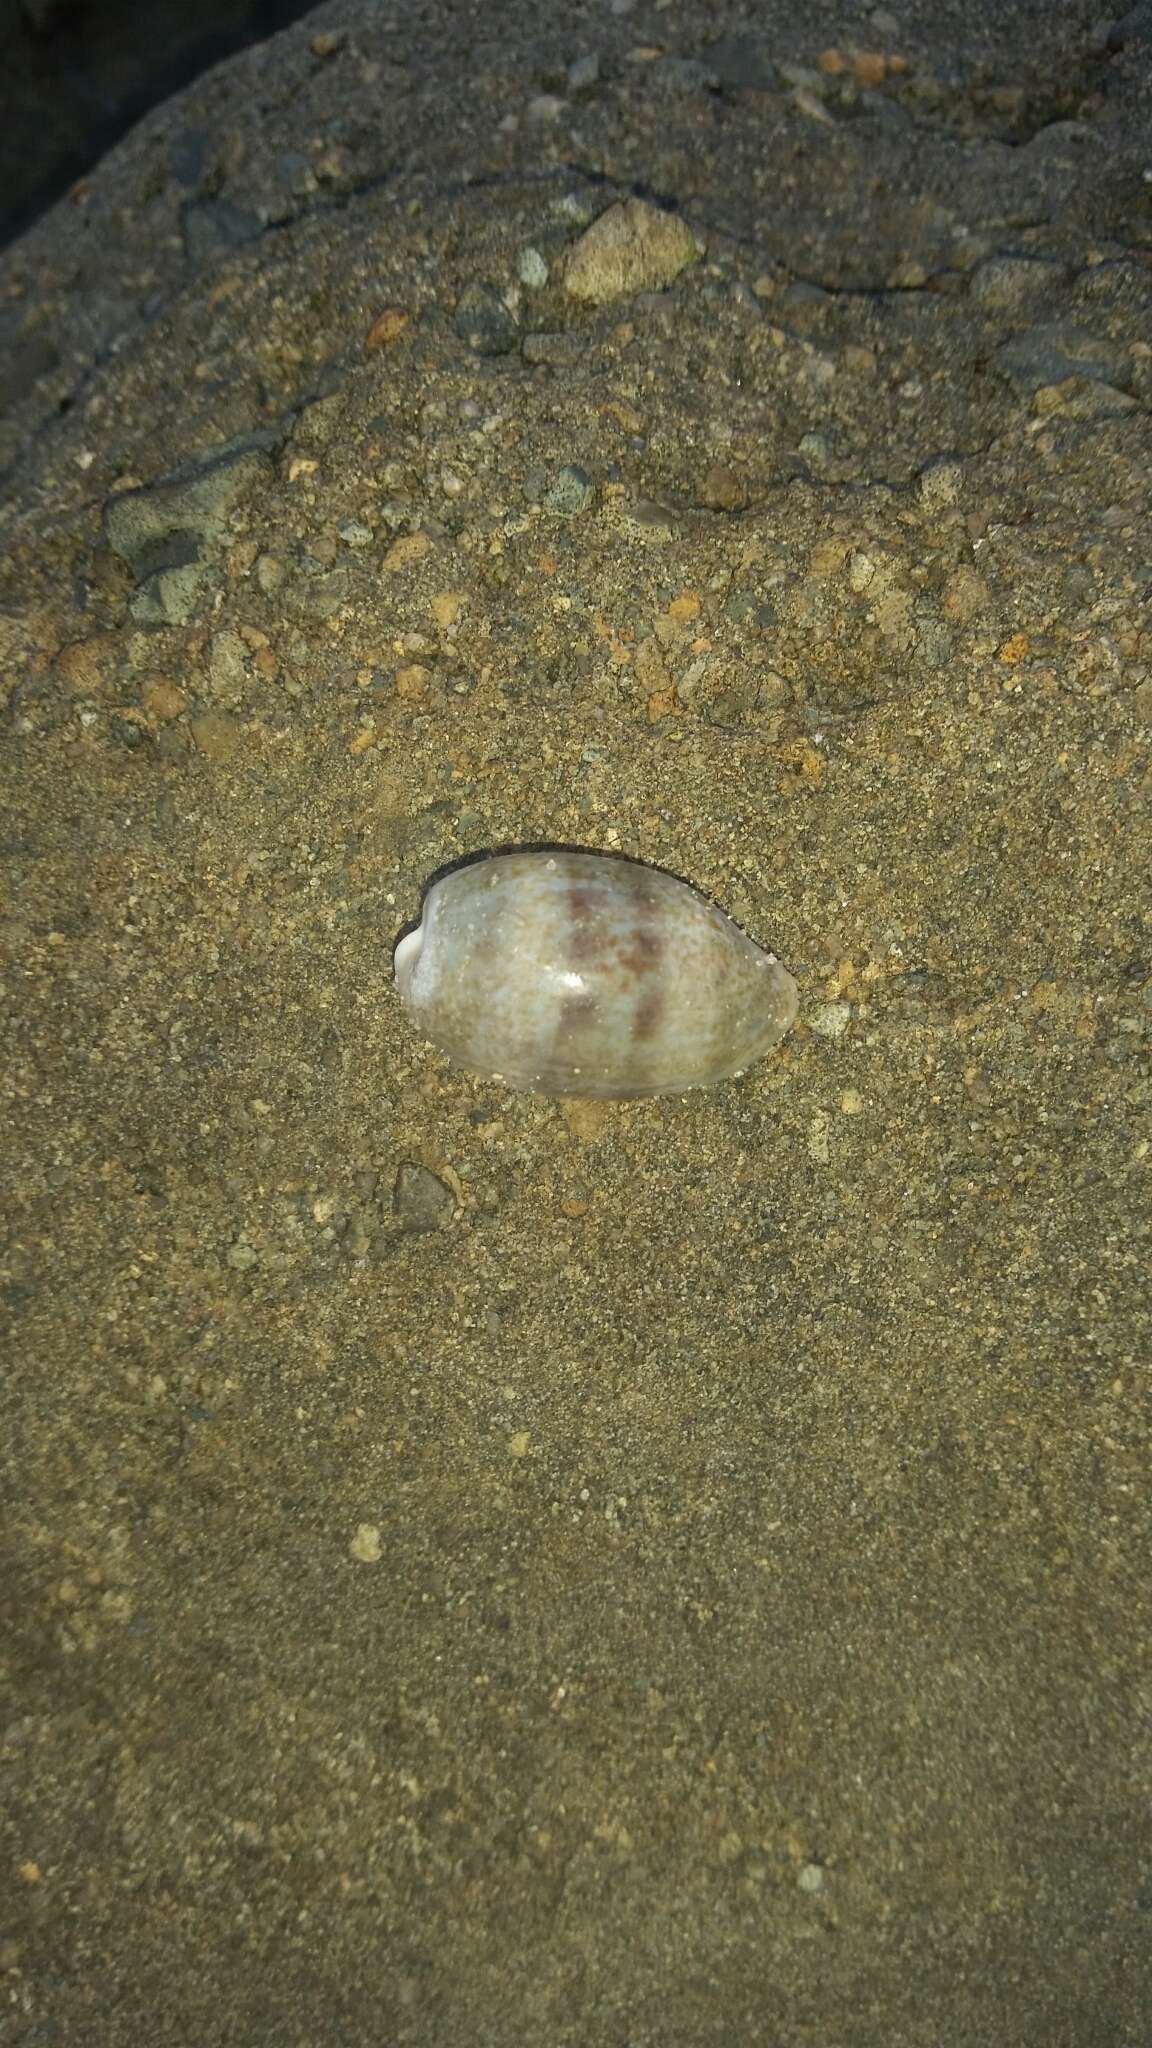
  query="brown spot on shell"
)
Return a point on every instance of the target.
[
  {"x": 583, "y": 906},
  {"x": 645, "y": 950},
  {"x": 649, "y": 1011},
  {"x": 643, "y": 959}
]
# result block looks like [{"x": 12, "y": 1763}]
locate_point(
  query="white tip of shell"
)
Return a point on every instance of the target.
[{"x": 405, "y": 957}]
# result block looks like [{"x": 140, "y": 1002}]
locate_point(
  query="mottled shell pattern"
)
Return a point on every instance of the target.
[{"x": 579, "y": 974}]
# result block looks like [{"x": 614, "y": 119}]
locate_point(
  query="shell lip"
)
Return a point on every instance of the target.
[{"x": 406, "y": 957}]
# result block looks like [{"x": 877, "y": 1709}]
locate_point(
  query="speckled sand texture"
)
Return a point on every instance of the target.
[{"x": 481, "y": 1572}]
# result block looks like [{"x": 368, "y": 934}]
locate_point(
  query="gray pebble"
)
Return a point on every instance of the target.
[
  {"x": 649, "y": 520},
  {"x": 171, "y": 583},
  {"x": 532, "y": 270},
  {"x": 940, "y": 483},
  {"x": 1050, "y": 353},
  {"x": 571, "y": 491},
  {"x": 1015, "y": 284},
  {"x": 558, "y": 349},
  {"x": 1087, "y": 398},
  {"x": 484, "y": 321},
  {"x": 227, "y": 665},
  {"x": 269, "y": 573},
  {"x": 187, "y": 155},
  {"x": 572, "y": 207},
  {"x": 816, "y": 450},
  {"x": 421, "y": 1201},
  {"x": 584, "y": 75},
  {"x": 804, "y": 79},
  {"x": 545, "y": 109},
  {"x": 319, "y": 596},
  {"x": 934, "y": 643},
  {"x": 192, "y": 502}
]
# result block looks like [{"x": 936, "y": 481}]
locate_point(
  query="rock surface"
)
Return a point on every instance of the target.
[{"x": 479, "y": 1570}]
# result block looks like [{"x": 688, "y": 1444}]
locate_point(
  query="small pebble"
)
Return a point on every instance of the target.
[
  {"x": 632, "y": 247},
  {"x": 484, "y": 321},
  {"x": 1012, "y": 284},
  {"x": 421, "y": 1201},
  {"x": 816, "y": 449},
  {"x": 723, "y": 489},
  {"x": 84, "y": 667},
  {"x": 355, "y": 534},
  {"x": 584, "y": 74},
  {"x": 269, "y": 573},
  {"x": 162, "y": 701},
  {"x": 557, "y": 349},
  {"x": 1048, "y": 354},
  {"x": 227, "y": 664},
  {"x": 410, "y": 548},
  {"x": 387, "y": 329},
  {"x": 571, "y": 491},
  {"x": 940, "y": 484},
  {"x": 366, "y": 1546},
  {"x": 545, "y": 109},
  {"x": 447, "y": 606},
  {"x": 830, "y": 1020},
  {"x": 1083, "y": 398}
]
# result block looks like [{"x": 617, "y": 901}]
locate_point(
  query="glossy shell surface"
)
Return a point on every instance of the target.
[{"x": 577, "y": 974}]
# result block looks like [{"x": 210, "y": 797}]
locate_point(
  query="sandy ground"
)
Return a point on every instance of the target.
[{"x": 488, "y": 1571}]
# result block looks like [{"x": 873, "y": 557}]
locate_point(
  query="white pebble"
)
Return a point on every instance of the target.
[
  {"x": 831, "y": 1020},
  {"x": 532, "y": 270},
  {"x": 365, "y": 1546}
]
